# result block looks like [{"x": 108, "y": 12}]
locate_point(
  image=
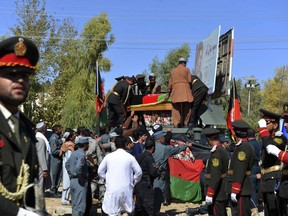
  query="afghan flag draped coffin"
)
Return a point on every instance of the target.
[{"x": 185, "y": 179}]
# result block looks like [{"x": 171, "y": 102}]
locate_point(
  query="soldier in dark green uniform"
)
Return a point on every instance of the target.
[
  {"x": 271, "y": 165},
  {"x": 239, "y": 171},
  {"x": 216, "y": 173},
  {"x": 18, "y": 158}
]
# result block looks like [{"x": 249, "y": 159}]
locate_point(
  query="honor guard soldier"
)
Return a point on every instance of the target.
[
  {"x": 271, "y": 166},
  {"x": 18, "y": 158},
  {"x": 118, "y": 101},
  {"x": 240, "y": 169},
  {"x": 275, "y": 143},
  {"x": 216, "y": 173}
]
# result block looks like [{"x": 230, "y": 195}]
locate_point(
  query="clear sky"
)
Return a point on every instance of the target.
[{"x": 145, "y": 29}]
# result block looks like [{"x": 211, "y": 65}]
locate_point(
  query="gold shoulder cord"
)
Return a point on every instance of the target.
[{"x": 22, "y": 182}]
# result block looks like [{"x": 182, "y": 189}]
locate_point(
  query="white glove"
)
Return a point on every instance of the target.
[
  {"x": 24, "y": 212},
  {"x": 262, "y": 123},
  {"x": 272, "y": 149},
  {"x": 208, "y": 200},
  {"x": 233, "y": 197},
  {"x": 278, "y": 134}
]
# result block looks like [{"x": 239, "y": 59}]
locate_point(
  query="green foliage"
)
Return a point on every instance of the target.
[
  {"x": 274, "y": 92},
  {"x": 81, "y": 94},
  {"x": 162, "y": 69}
]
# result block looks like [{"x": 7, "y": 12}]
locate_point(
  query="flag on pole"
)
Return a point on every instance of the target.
[
  {"x": 234, "y": 112},
  {"x": 100, "y": 94}
]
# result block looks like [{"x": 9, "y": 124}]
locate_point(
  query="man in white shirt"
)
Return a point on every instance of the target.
[{"x": 121, "y": 173}]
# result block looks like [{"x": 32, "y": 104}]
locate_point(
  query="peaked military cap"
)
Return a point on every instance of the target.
[
  {"x": 240, "y": 125},
  {"x": 210, "y": 132},
  {"x": 270, "y": 116},
  {"x": 18, "y": 51}
]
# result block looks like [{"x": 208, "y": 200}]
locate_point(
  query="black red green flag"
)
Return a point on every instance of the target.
[
  {"x": 234, "y": 112},
  {"x": 100, "y": 94}
]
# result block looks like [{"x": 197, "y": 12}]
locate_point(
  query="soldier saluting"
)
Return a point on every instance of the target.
[
  {"x": 271, "y": 166},
  {"x": 276, "y": 151},
  {"x": 18, "y": 159}
]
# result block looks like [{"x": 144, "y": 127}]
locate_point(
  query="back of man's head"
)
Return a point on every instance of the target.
[
  {"x": 251, "y": 133},
  {"x": 120, "y": 142}
]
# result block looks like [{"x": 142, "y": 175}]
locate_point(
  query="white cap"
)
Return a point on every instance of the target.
[{"x": 40, "y": 125}]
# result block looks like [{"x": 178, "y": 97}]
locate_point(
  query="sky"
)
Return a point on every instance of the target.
[{"x": 145, "y": 29}]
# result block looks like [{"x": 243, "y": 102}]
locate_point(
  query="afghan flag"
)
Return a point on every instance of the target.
[
  {"x": 234, "y": 112},
  {"x": 100, "y": 94},
  {"x": 185, "y": 179}
]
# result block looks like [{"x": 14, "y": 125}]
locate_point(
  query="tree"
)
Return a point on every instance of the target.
[
  {"x": 46, "y": 32},
  {"x": 162, "y": 69},
  {"x": 274, "y": 92},
  {"x": 95, "y": 40}
]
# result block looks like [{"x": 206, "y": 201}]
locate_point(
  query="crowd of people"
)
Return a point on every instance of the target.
[{"x": 126, "y": 166}]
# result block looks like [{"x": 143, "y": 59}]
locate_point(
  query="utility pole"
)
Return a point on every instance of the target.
[{"x": 250, "y": 86}]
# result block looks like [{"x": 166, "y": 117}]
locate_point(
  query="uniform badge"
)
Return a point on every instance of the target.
[
  {"x": 277, "y": 140},
  {"x": 20, "y": 48},
  {"x": 215, "y": 162},
  {"x": 241, "y": 156}
]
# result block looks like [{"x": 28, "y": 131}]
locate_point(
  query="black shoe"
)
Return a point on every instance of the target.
[
  {"x": 166, "y": 203},
  {"x": 192, "y": 211}
]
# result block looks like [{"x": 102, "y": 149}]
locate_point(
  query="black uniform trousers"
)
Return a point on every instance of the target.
[
  {"x": 116, "y": 114},
  {"x": 144, "y": 199},
  {"x": 271, "y": 202},
  {"x": 218, "y": 208},
  {"x": 199, "y": 95},
  {"x": 242, "y": 207}
]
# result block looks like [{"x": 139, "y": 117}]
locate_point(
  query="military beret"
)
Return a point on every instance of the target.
[
  {"x": 267, "y": 115},
  {"x": 240, "y": 124},
  {"x": 18, "y": 51},
  {"x": 210, "y": 132}
]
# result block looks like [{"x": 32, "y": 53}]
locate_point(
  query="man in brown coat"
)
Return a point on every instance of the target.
[{"x": 181, "y": 96}]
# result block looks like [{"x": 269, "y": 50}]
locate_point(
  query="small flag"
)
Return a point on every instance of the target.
[{"x": 234, "y": 112}]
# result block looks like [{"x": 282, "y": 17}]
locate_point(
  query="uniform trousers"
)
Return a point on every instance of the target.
[
  {"x": 78, "y": 196},
  {"x": 144, "y": 199},
  {"x": 271, "y": 202},
  {"x": 181, "y": 113},
  {"x": 242, "y": 207},
  {"x": 116, "y": 114},
  {"x": 283, "y": 206},
  {"x": 218, "y": 208},
  {"x": 199, "y": 96},
  {"x": 56, "y": 173}
]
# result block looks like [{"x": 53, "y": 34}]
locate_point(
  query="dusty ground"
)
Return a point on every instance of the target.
[{"x": 55, "y": 208}]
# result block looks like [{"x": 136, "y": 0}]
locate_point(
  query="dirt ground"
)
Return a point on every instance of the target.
[{"x": 55, "y": 208}]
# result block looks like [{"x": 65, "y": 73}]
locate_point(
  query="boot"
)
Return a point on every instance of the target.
[{"x": 192, "y": 211}]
